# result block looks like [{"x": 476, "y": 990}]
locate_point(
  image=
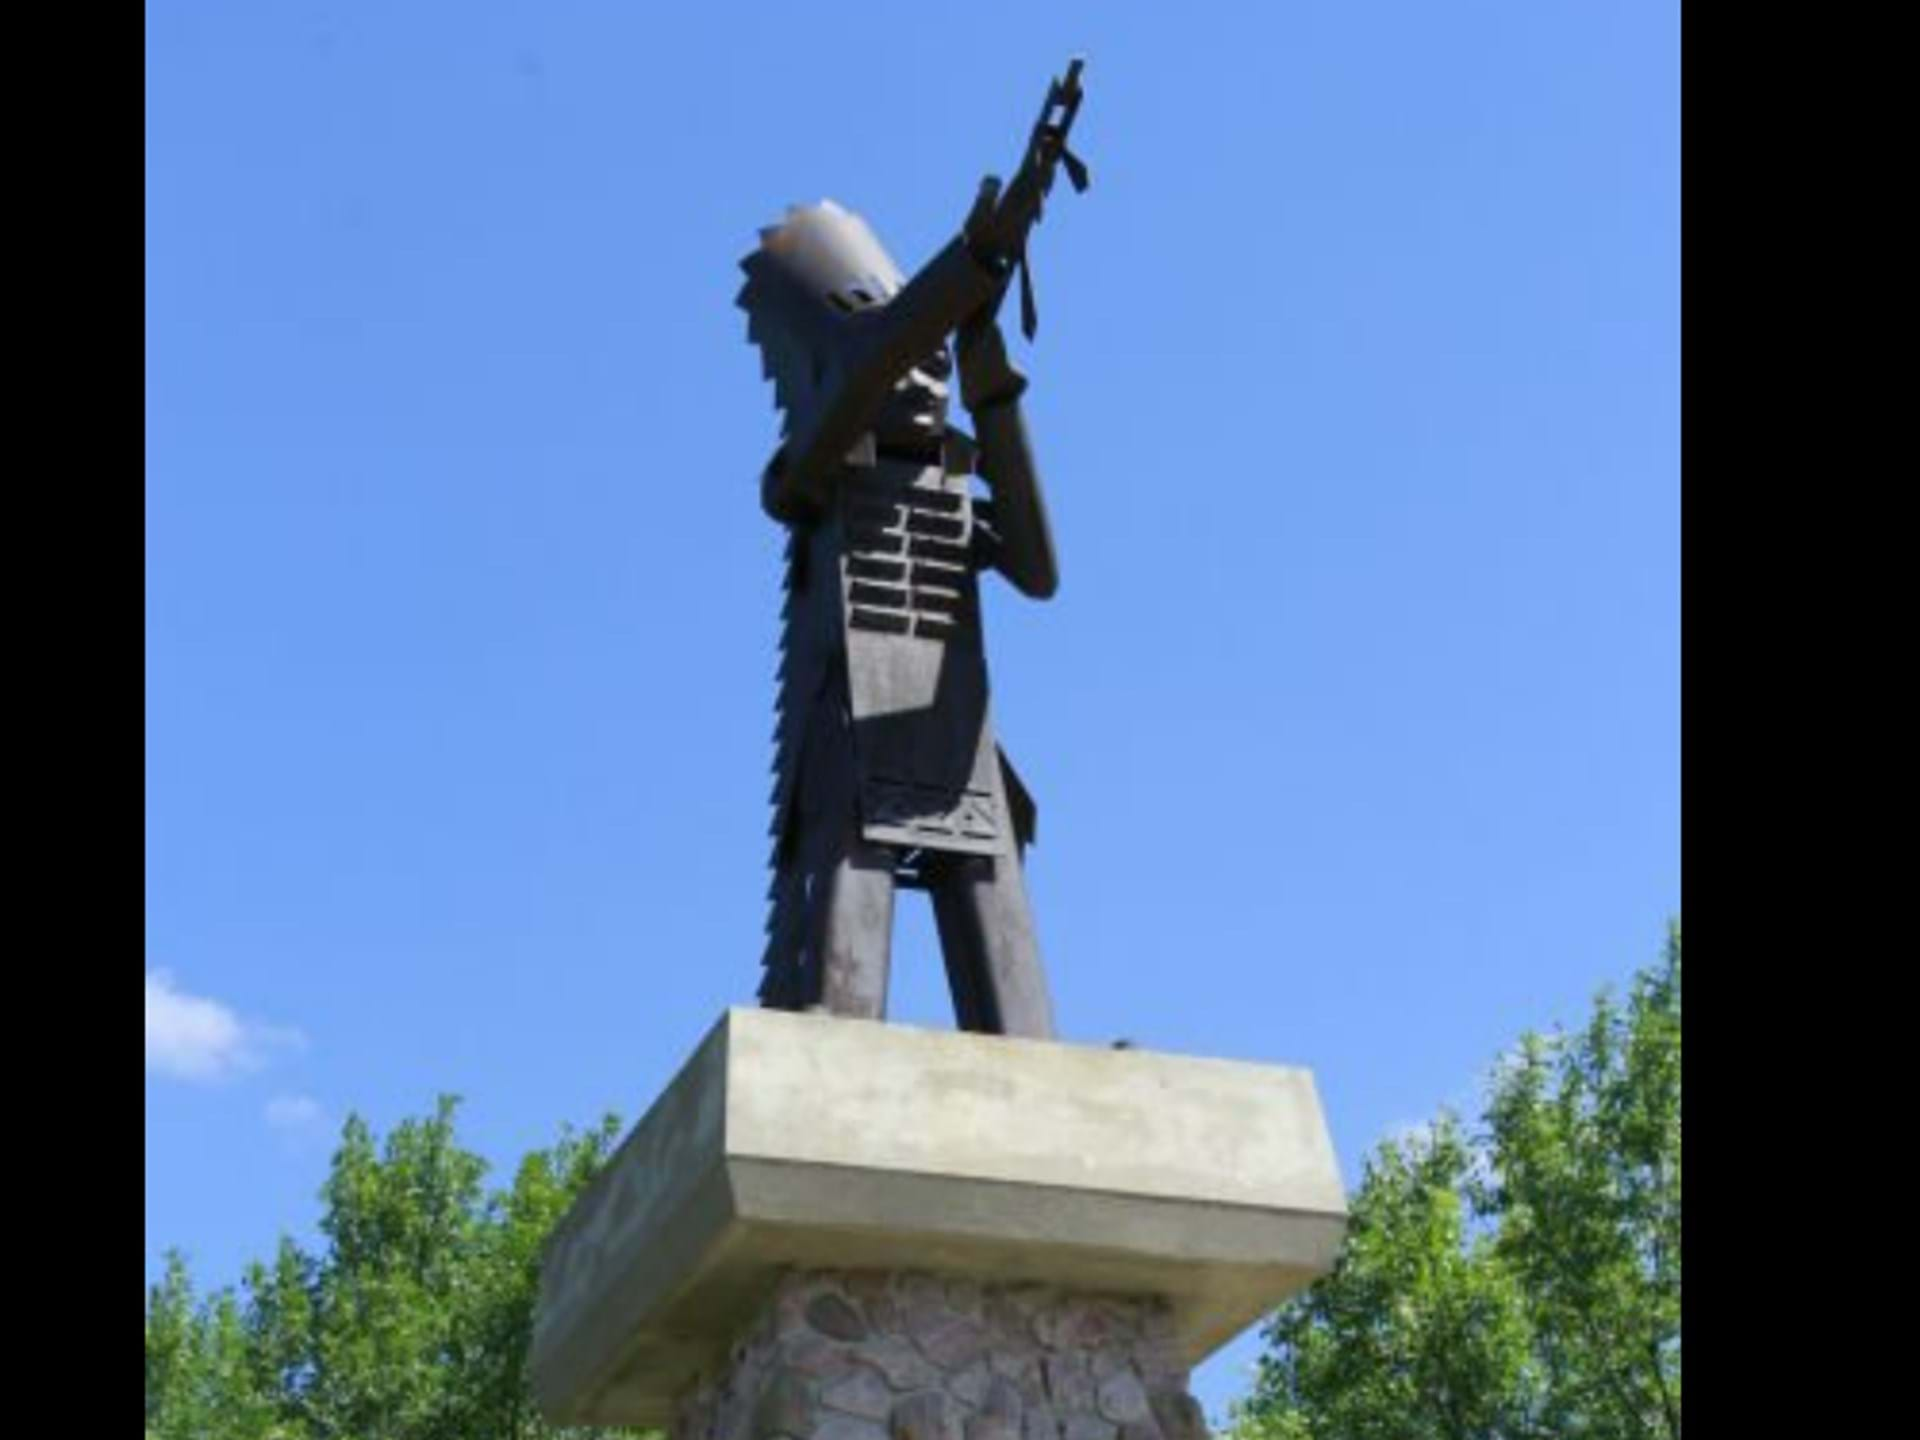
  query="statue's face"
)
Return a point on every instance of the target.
[{"x": 917, "y": 408}]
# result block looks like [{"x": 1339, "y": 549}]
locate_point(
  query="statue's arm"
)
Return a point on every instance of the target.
[
  {"x": 991, "y": 386},
  {"x": 879, "y": 346},
  {"x": 780, "y": 498}
]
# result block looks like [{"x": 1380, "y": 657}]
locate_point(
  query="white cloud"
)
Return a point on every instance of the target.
[
  {"x": 190, "y": 1037},
  {"x": 295, "y": 1114}
]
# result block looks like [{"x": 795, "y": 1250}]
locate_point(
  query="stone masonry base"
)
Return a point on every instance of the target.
[{"x": 877, "y": 1355}]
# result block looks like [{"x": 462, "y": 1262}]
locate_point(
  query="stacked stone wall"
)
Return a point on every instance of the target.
[{"x": 867, "y": 1355}]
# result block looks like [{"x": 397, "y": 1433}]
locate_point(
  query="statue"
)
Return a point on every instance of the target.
[{"x": 888, "y": 773}]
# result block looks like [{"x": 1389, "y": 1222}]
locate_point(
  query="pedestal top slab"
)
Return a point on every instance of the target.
[{"x": 808, "y": 1141}]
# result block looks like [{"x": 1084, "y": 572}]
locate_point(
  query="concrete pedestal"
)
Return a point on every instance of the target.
[{"x": 804, "y": 1170}]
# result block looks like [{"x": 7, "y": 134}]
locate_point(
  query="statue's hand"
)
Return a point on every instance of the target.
[{"x": 987, "y": 376}]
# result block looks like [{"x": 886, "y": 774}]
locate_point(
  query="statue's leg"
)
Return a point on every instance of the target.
[
  {"x": 853, "y": 934},
  {"x": 986, "y": 934}
]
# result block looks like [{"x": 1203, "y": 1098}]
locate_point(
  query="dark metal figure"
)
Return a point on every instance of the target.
[{"x": 888, "y": 773}]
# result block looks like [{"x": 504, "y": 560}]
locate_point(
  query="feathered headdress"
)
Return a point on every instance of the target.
[{"x": 814, "y": 269}]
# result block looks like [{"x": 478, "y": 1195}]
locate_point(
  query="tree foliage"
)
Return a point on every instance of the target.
[
  {"x": 1521, "y": 1281},
  {"x": 411, "y": 1324}
]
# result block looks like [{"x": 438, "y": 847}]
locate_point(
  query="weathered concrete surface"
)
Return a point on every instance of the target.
[{"x": 812, "y": 1142}]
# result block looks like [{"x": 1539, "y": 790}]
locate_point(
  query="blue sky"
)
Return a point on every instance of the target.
[{"x": 1354, "y": 726}]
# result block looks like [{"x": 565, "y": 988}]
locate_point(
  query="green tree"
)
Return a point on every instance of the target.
[
  {"x": 176, "y": 1355},
  {"x": 413, "y": 1321},
  {"x": 1520, "y": 1282}
]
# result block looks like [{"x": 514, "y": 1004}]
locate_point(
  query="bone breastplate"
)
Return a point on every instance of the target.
[{"x": 926, "y": 767}]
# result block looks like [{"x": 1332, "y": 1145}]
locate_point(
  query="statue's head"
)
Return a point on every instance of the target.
[{"x": 812, "y": 277}]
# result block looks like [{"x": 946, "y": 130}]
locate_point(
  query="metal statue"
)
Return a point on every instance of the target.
[{"x": 888, "y": 773}]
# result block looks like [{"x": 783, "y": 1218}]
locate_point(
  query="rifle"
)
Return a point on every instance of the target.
[
  {"x": 996, "y": 229},
  {"x": 962, "y": 285}
]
